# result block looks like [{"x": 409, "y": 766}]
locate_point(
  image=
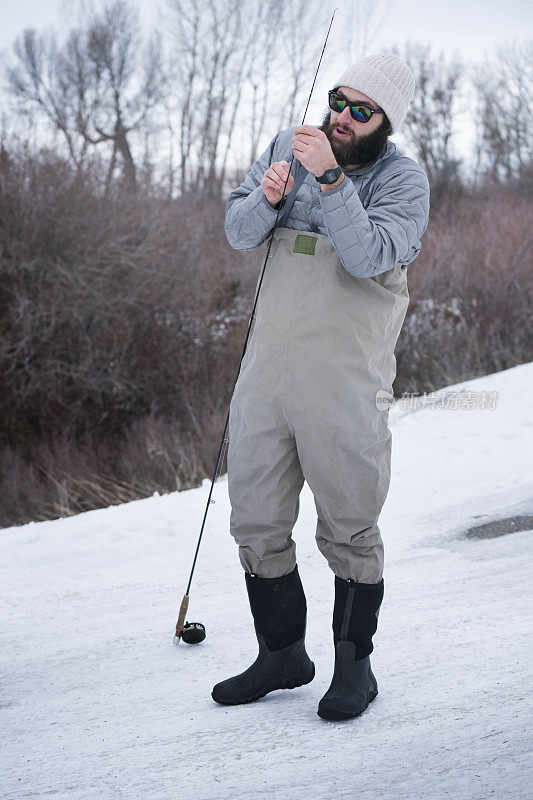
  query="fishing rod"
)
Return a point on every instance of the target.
[{"x": 194, "y": 632}]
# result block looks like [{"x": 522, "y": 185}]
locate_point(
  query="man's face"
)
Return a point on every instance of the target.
[{"x": 355, "y": 143}]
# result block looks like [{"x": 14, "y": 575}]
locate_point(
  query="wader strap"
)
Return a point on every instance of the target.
[
  {"x": 300, "y": 177},
  {"x": 289, "y": 200}
]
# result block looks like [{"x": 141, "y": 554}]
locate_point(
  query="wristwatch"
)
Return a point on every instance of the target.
[{"x": 330, "y": 175}]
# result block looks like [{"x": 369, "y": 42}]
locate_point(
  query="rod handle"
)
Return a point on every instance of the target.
[{"x": 181, "y": 618}]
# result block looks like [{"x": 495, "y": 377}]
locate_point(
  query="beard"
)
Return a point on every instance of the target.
[{"x": 358, "y": 149}]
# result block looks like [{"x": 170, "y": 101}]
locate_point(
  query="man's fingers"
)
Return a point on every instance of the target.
[
  {"x": 270, "y": 183},
  {"x": 276, "y": 184},
  {"x": 307, "y": 130},
  {"x": 281, "y": 169},
  {"x": 279, "y": 174}
]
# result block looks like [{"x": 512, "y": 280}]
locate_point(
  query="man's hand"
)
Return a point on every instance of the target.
[
  {"x": 274, "y": 181},
  {"x": 312, "y": 148}
]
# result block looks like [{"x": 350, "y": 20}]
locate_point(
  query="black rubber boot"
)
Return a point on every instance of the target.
[
  {"x": 279, "y": 610},
  {"x": 355, "y": 619}
]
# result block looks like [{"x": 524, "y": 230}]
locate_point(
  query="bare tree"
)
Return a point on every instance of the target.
[
  {"x": 36, "y": 83},
  {"x": 362, "y": 26},
  {"x": 429, "y": 125},
  {"x": 504, "y": 89},
  {"x": 301, "y": 36},
  {"x": 99, "y": 87},
  {"x": 261, "y": 67},
  {"x": 113, "y": 50},
  {"x": 210, "y": 58},
  {"x": 233, "y": 55}
]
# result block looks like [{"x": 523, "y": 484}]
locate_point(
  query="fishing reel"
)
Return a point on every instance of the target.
[
  {"x": 190, "y": 632},
  {"x": 193, "y": 632}
]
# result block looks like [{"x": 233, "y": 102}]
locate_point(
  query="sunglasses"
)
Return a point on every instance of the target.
[{"x": 359, "y": 112}]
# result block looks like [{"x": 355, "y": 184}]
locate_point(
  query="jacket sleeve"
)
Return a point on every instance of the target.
[
  {"x": 249, "y": 216},
  {"x": 374, "y": 240}
]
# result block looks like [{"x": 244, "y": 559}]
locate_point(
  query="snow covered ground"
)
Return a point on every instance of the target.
[{"x": 97, "y": 702}]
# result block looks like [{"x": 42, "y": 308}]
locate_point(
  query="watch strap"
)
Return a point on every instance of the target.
[{"x": 330, "y": 175}]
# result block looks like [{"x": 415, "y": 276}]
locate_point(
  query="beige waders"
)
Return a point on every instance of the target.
[{"x": 306, "y": 406}]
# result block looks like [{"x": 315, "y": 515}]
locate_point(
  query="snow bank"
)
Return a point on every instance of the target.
[{"x": 97, "y": 702}]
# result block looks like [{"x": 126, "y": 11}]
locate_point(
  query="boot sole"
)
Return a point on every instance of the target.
[
  {"x": 259, "y": 695},
  {"x": 333, "y": 715}
]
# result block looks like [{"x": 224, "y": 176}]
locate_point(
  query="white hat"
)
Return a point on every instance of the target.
[{"x": 387, "y": 80}]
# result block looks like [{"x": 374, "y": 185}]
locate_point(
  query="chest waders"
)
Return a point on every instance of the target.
[{"x": 306, "y": 406}]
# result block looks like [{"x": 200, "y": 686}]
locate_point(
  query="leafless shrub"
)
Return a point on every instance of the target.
[
  {"x": 107, "y": 306},
  {"x": 470, "y": 287}
]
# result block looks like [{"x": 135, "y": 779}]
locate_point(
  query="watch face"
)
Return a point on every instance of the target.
[{"x": 330, "y": 175}]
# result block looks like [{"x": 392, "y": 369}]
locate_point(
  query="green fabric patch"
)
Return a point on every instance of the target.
[{"x": 305, "y": 245}]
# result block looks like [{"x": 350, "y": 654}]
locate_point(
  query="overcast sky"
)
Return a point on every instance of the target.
[
  {"x": 473, "y": 27},
  {"x": 470, "y": 29}
]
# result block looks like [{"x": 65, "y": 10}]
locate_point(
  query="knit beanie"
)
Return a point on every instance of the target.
[{"x": 386, "y": 80}]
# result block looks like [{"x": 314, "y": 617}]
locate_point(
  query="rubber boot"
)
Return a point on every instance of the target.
[
  {"x": 279, "y": 610},
  {"x": 355, "y": 618}
]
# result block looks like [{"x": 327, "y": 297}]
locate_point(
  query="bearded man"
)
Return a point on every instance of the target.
[{"x": 313, "y": 394}]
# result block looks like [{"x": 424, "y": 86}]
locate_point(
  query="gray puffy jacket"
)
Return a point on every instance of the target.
[{"x": 368, "y": 240}]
